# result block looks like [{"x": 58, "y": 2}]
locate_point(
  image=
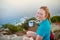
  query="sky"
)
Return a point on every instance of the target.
[{"x": 12, "y": 10}]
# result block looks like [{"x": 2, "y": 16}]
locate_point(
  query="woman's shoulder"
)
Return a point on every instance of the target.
[{"x": 46, "y": 23}]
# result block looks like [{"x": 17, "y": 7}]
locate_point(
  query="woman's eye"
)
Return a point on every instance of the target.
[{"x": 40, "y": 13}]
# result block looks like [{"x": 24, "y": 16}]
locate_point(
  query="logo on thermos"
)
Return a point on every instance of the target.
[{"x": 31, "y": 23}]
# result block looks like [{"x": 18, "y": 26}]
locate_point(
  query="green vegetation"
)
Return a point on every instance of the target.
[
  {"x": 12, "y": 28},
  {"x": 55, "y": 19},
  {"x": 25, "y": 25},
  {"x": 57, "y": 34},
  {"x": 56, "y": 31},
  {"x": 19, "y": 28}
]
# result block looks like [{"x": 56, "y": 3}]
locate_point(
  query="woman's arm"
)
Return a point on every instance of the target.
[{"x": 39, "y": 37}]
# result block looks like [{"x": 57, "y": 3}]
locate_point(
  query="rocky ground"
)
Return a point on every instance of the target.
[{"x": 15, "y": 37}]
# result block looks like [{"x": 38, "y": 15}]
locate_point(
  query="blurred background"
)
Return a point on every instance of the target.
[
  {"x": 12, "y": 10},
  {"x": 16, "y": 14}
]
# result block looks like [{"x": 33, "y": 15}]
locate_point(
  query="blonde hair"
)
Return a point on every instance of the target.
[{"x": 46, "y": 11}]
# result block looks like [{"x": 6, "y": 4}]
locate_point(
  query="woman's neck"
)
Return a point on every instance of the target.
[{"x": 42, "y": 19}]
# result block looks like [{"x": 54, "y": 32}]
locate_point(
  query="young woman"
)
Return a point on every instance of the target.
[{"x": 43, "y": 30}]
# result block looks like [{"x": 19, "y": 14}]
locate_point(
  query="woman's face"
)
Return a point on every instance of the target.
[{"x": 40, "y": 14}]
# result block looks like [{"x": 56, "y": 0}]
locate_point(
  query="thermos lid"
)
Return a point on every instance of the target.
[{"x": 31, "y": 23}]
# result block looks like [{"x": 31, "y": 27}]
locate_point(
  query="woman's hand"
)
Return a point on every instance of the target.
[
  {"x": 31, "y": 34},
  {"x": 39, "y": 37}
]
